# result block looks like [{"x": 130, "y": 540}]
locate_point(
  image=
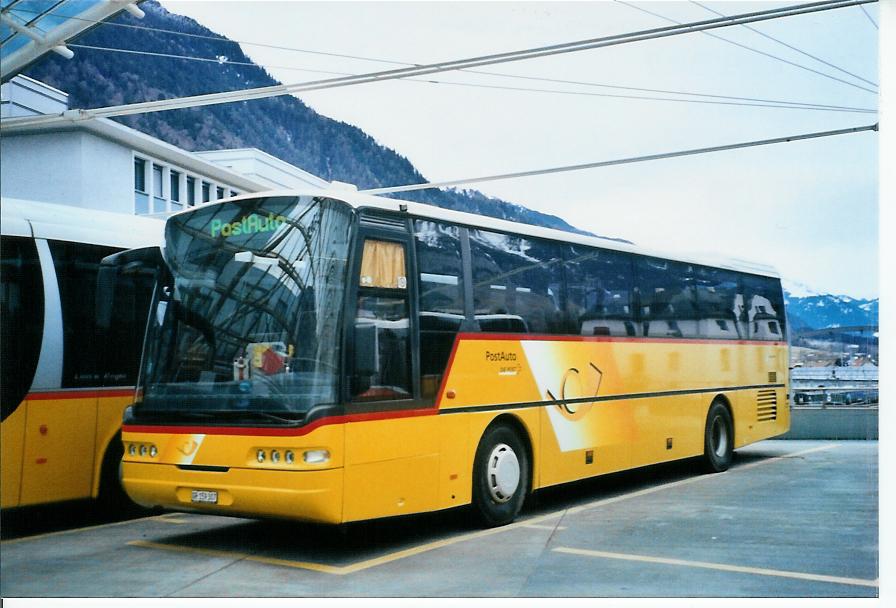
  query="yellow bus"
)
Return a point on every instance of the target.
[
  {"x": 64, "y": 385},
  {"x": 339, "y": 357}
]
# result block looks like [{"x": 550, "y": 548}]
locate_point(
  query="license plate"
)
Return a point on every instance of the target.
[{"x": 204, "y": 496}]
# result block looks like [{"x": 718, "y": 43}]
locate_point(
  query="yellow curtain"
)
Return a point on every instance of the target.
[{"x": 383, "y": 265}]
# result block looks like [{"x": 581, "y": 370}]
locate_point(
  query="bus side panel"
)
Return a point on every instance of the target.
[
  {"x": 391, "y": 467},
  {"x": 11, "y": 447},
  {"x": 610, "y": 451},
  {"x": 671, "y": 427},
  {"x": 59, "y": 448},
  {"x": 754, "y": 417},
  {"x": 456, "y": 461}
]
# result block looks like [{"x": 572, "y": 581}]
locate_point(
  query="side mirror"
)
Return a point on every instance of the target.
[{"x": 146, "y": 260}]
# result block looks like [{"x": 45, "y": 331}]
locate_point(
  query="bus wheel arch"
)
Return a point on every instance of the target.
[
  {"x": 718, "y": 436},
  {"x": 502, "y": 471},
  {"x": 111, "y": 495},
  {"x": 721, "y": 398}
]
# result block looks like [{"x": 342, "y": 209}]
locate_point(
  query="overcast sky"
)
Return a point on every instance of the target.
[{"x": 808, "y": 208}]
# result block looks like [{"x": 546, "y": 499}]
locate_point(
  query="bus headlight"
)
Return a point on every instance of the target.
[
  {"x": 153, "y": 451},
  {"x": 143, "y": 450},
  {"x": 275, "y": 456},
  {"x": 132, "y": 450},
  {"x": 316, "y": 456},
  {"x": 290, "y": 457},
  {"x": 260, "y": 456}
]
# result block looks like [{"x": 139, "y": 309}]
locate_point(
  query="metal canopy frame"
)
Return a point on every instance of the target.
[{"x": 31, "y": 28}]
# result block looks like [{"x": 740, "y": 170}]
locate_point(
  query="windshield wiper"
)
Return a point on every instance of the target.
[{"x": 256, "y": 414}]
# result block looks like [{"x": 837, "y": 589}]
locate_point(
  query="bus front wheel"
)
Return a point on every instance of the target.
[
  {"x": 718, "y": 442},
  {"x": 500, "y": 476}
]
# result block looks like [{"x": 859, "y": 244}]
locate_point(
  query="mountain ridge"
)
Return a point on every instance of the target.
[{"x": 283, "y": 126}]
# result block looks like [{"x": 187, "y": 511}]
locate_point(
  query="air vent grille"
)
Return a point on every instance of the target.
[
  {"x": 766, "y": 405},
  {"x": 379, "y": 221}
]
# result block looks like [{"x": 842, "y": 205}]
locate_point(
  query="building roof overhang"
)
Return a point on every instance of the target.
[{"x": 145, "y": 144}]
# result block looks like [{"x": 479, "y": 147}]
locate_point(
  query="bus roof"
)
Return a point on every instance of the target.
[
  {"x": 22, "y": 217},
  {"x": 359, "y": 200}
]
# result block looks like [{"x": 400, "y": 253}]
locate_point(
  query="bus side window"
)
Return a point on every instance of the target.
[
  {"x": 719, "y": 304},
  {"x": 84, "y": 354},
  {"x": 441, "y": 289},
  {"x": 21, "y": 319},
  {"x": 382, "y": 365},
  {"x": 516, "y": 286},
  {"x": 668, "y": 298},
  {"x": 598, "y": 292},
  {"x": 764, "y": 308}
]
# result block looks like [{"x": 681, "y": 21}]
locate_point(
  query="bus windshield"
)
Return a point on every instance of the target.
[{"x": 248, "y": 324}]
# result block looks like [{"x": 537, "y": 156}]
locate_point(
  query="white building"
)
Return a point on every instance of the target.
[{"x": 100, "y": 164}]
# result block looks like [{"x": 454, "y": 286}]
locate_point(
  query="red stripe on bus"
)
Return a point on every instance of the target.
[
  {"x": 276, "y": 432},
  {"x": 556, "y": 338},
  {"x": 79, "y": 394}
]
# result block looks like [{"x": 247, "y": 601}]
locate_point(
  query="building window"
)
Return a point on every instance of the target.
[
  {"x": 191, "y": 191},
  {"x": 141, "y": 197},
  {"x": 220, "y": 192},
  {"x": 206, "y": 192},
  {"x": 174, "y": 190},
  {"x": 158, "y": 193}
]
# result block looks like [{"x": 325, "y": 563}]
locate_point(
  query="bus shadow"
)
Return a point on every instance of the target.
[
  {"x": 340, "y": 546},
  {"x": 58, "y": 517}
]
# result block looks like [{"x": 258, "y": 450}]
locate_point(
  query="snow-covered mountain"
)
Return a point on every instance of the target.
[{"x": 820, "y": 311}]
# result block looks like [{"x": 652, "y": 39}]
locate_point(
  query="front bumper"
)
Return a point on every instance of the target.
[{"x": 301, "y": 495}]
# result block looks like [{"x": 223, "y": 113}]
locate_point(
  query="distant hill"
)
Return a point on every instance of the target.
[{"x": 282, "y": 126}]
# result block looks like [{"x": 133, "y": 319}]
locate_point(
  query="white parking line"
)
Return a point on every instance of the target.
[{"x": 842, "y": 580}]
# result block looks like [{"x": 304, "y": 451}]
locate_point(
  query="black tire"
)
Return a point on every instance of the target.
[
  {"x": 718, "y": 439},
  {"x": 500, "y": 457},
  {"x": 112, "y": 499}
]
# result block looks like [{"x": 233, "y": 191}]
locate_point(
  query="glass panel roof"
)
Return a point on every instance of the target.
[{"x": 46, "y": 18}]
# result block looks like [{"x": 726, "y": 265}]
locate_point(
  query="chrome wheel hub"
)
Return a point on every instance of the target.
[{"x": 502, "y": 473}]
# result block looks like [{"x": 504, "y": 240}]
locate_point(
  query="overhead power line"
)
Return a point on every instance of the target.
[
  {"x": 751, "y": 49},
  {"x": 717, "y": 99},
  {"x": 620, "y": 161},
  {"x": 790, "y": 46},
  {"x": 222, "y": 39},
  {"x": 785, "y": 105},
  {"x": 445, "y": 66}
]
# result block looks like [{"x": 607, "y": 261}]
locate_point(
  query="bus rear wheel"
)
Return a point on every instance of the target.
[
  {"x": 500, "y": 476},
  {"x": 718, "y": 441}
]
